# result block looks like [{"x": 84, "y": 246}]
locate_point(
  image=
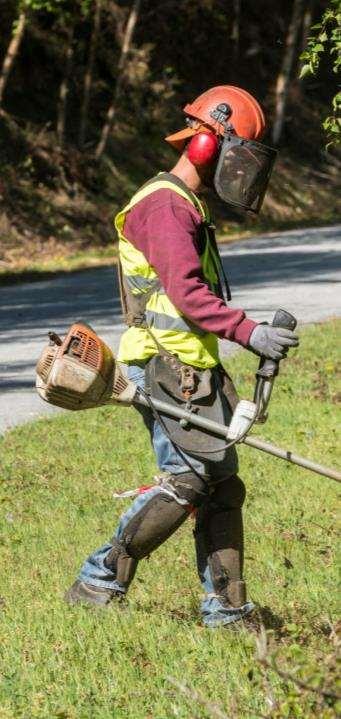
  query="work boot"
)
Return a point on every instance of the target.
[
  {"x": 217, "y": 612},
  {"x": 80, "y": 593}
]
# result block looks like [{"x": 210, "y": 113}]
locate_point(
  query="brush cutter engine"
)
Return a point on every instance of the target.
[{"x": 80, "y": 372}]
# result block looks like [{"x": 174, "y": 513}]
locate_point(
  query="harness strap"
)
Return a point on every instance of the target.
[
  {"x": 224, "y": 286},
  {"x": 133, "y": 306}
]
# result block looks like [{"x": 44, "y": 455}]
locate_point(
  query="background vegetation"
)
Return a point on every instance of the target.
[
  {"x": 88, "y": 89},
  {"x": 152, "y": 659}
]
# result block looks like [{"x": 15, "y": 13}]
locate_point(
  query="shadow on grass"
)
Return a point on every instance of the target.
[{"x": 269, "y": 619}]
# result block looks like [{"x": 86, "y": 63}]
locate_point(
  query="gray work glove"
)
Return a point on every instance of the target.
[{"x": 272, "y": 342}]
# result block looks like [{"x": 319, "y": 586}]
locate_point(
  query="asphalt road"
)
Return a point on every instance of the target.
[{"x": 298, "y": 270}]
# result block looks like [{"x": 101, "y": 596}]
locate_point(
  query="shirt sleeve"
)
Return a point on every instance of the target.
[{"x": 164, "y": 227}]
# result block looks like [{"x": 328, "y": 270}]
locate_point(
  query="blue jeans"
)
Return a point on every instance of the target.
[{"x": 94, "y": 570}]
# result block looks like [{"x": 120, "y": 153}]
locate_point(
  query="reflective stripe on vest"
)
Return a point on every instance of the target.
[
  {"x": 174, "y": 331},
  {"x": 138, "y": 284},
  {"x": 159, "y": 321}
]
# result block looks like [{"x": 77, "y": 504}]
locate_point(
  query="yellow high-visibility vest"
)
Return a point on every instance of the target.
[{"x": 169, "y": 326}]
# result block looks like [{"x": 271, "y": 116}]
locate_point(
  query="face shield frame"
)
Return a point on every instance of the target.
[{"x": 243, "y": 172}]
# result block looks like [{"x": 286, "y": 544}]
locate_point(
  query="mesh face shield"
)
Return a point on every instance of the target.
[{"x": 243, "y": 172}]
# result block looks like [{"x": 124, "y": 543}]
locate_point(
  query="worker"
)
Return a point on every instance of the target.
[{"x": 176, "y": 302}]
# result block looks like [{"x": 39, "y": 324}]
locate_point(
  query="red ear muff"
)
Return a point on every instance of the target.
[{"x": 203, "y": 148}]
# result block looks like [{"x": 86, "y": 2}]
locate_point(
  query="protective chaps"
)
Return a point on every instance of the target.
[
  {"x": 152, "y": 519},
  {"x": 158, "y": 513},
  {"x": 220, "y": 543}
]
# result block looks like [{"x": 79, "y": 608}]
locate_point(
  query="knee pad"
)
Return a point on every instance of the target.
[
  {"x": 163, "y": 513},
  {"x": 229, "y": 494},
  {"x": 189, "y": 487}
]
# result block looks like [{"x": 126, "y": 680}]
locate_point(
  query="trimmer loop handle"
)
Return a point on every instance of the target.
[{"x": 269, "y": 367}]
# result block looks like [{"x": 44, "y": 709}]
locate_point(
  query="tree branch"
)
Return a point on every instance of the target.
[
  {"x": 128, "y": 34},
  {"x": 263, "y": 659},
  {"x": 12, "y": 51},
  {"x": 192, "y": 695}
]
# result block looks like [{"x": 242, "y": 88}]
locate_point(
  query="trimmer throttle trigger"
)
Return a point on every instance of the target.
[
  {"x": 269, "y": 367},
  {"x": 284, "y": 319}
]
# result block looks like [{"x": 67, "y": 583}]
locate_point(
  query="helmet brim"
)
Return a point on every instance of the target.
[{"x": 178, "y": 139}]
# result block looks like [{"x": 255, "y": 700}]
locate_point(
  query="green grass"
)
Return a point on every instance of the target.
[
  {"x": 78, "y": 663},
  {"x": 35, "y": 271}
]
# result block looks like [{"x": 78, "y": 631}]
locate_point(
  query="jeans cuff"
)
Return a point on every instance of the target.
[
  {"x": 221, "y": 615},
  {"x": 114, "y": 585}
]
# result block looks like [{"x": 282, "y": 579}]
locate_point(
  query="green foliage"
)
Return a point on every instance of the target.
[
  {"x": 173, "y": 57},
  {"x": 53, "y": 6},
  {"x": 327, "y": 36},
  {"x": 77, "y": 663},
  {"x": 332, "y": 123},
  {"x": 86, "y": 6}
]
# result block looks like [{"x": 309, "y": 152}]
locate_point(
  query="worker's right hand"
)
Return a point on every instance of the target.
[{"x": 272, "y": 342}]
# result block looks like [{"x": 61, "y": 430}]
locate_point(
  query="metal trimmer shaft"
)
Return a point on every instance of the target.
[{"x": 222, "y": 431}]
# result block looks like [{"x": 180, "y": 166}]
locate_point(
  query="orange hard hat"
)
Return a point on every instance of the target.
[{"x": 243, "y": 113}]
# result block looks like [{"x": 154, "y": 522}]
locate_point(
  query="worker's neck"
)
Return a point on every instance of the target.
[{"x": 187, "y": 173}]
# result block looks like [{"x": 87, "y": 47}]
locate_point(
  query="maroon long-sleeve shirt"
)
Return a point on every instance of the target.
[{"x": 164, "y": 227}]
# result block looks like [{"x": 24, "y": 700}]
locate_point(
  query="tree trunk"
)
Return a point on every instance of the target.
[
  {"x": 12, "y": 52},
  {"x": 235, "y": 33},
  {"x": 89, "y": 72},
  {"x": 128, "y": 34},
  {"x": 306, "y": 25},
  {"x": 283, "y": 79},
  {"x": 64, "y": 87}
]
